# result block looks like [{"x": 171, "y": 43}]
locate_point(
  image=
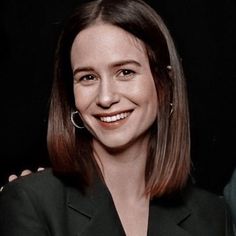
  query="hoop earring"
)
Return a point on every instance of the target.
[
  {"x": 169, "y": 71},
  {"x": 171, "y": 108},
  {"x": 73, "y": 121}
]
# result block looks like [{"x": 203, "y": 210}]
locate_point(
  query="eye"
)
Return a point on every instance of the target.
[
  {"x": 126, "y": 73},
  {"x": 87, "y": 78}
]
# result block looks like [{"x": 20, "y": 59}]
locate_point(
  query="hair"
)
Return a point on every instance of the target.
[{"x": 70, "y": 150}]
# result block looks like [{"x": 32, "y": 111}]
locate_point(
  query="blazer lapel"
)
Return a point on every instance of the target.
[
  {"x": 165, "y": 221},
  {"x": 94, "y": 213}
]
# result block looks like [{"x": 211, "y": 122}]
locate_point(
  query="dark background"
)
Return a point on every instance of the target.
[{"x": 205, "y": 35}]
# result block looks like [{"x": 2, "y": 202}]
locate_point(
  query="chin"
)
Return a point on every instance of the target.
[
  {"x": 117, "y": 145},
  {"x": 115, "y": 149}
]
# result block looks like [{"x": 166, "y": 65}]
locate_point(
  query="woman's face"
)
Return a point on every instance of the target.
[{"x": 113, "y": 85}]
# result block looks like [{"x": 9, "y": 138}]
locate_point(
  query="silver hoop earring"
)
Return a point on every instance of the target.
[
  {"x": 169, "y": 71},
  {"x": 73, "y": 121},
  {"x": 171, "y": 109}
]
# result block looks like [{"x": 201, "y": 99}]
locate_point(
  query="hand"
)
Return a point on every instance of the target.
[{"x": 23, "y": 173}]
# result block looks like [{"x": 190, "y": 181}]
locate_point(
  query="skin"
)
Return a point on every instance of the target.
[
  {"x": 113, "y": 82},
  {"x": 23, "y": 173},
  {"x": 111, "y": 70}
]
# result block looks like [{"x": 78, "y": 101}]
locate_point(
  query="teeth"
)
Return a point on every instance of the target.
[{"x": 117, "y": 117}]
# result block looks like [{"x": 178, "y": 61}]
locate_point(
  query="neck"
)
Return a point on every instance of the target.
[{"x": 123, "y": 170}]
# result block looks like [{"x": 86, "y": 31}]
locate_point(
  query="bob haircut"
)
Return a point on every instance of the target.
[{"x": 70, "y": 150}]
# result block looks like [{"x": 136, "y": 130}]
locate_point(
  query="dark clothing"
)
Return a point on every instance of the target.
[
  {"x": 230, "y": 197},
  {"x": 42, "y": 204}
]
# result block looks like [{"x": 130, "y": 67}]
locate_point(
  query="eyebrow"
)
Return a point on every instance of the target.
[
  {"x": 84, "y": 69},
  {"x": 113, "y": 65},
  {"x": 125, "y": 62}
]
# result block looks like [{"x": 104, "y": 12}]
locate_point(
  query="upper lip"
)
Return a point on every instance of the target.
[{"x": 105, "y": 114}]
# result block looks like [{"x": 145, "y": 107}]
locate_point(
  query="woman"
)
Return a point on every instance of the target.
[{"x": 118, "y": 136}]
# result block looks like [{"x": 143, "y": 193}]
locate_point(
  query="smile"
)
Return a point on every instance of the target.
[{"x": 114, "y": 118}]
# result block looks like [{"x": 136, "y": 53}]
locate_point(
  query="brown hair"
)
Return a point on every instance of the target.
[{"x": 168, "y": 161}]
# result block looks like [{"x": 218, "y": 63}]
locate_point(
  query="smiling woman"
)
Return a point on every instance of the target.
[
  {"x": 125, "y": 171},
  {"x": 109, "y": 86}
]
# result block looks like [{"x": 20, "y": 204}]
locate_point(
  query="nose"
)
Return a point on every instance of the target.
[{"x": 107, "y": 93}]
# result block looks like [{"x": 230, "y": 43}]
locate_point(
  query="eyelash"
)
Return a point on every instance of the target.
[
  {"x": 124, "y": 72},
  {"x": 87, "y": 78}
]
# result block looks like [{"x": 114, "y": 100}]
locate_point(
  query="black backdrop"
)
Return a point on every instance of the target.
[{"x": 205, "y": 36}]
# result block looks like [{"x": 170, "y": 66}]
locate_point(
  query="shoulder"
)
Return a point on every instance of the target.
[
  {"x": 30, "y": 201},
  {"x": 208, "y": 211},
  {"x": 196, "y": 195},
  {"x": 43, "y": 185},
  {"x": 37, "y": 180},
  {"x": 197, "y": 211},
  {"x": 40, "y": 197},
  {"x": 204, "y": 202}
]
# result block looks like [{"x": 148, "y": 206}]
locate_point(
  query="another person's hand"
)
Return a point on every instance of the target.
[{"x": 23, "y": 173}]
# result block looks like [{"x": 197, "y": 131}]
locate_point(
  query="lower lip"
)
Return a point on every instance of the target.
[{"x": 113, "y": 125}]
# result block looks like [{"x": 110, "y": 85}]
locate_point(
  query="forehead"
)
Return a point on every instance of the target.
[{"x": 103, "y": 39}]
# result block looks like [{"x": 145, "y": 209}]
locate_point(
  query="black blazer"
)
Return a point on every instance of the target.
[{"x": 42, "y": 204}]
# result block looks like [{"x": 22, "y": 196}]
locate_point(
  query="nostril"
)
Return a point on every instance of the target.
[
  {"x": 107, "y": 100},
  {"x": 107, "y": 93}
]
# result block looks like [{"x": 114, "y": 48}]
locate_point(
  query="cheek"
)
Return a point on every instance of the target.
[
  {"x": 145, "y": 91},
  {"x": 84, "y": 97},
  {"x": 81, "y": 100},
  {"x": 149, "y": 99}
]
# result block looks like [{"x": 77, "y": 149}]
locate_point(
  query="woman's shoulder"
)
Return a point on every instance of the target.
[
  {"x": 198, "y": 201},
  {"x": 42, "y": 183},
  {"x": 44, "y": 177},
  {"x": 208, "y": 208},
  {"x": 204, "y": 200},
  {"x": 31, "y": 201},
  {"x": 195, "y": 193}
]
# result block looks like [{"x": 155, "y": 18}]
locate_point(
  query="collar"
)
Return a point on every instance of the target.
[{"x": 100, "y": 217}]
